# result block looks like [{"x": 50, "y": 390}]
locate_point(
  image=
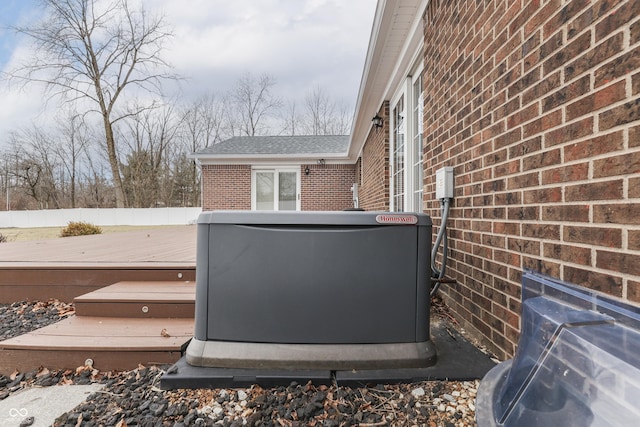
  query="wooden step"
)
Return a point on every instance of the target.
[
  {"x": 111, "y": 343},
  {"x": 140, "y": 300}
]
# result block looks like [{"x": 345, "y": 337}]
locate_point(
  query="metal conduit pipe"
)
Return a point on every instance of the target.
[{"x": 441, "y": 238}]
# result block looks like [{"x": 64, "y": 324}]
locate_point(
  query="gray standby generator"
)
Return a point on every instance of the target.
[{"x": 312, "y": 290}]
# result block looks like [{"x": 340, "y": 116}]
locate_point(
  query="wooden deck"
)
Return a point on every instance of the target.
[
  {"x": 134, "y": 294},
  {"x": 65, "y": 268},
  {"x": 118, "y": 327}
]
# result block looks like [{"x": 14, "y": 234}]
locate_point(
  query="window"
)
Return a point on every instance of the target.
[
  {"x": 275, "y": 189},
  {"x": 407, "y": 176},
  {"x": 398, "y": 167},
  {"x": 417, "y": 149}
]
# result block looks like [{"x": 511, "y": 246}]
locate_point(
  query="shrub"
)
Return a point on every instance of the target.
[
  {"x": 3, "y": 238},
  {"x": 80, "y": 229}
]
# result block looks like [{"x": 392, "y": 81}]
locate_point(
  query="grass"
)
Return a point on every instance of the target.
[{"x": 41, "y": 233}]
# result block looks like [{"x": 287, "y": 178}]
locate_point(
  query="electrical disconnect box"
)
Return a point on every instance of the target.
[{"x": 444, "y": 183}]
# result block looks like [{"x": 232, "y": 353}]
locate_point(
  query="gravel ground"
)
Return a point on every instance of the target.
[{"x": 134, "y": 398}]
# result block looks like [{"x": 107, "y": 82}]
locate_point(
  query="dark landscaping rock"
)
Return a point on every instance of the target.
[{"x": 134, "y": 398}]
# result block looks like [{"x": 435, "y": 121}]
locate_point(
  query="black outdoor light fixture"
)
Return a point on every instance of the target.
[
  {"x": 321, "y": 162},
  {"x": 306, "y": 170},
  {"x": 377, "y": 121}
]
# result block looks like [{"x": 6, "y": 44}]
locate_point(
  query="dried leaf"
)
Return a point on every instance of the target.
[
  {"x": 14, "y": 375},
  {"x": 68, "y": 311},
  {"x": 94, "y": 374},
  {"x": 121, "y": 423},
  {"x": 164, "y": 333},
  {"x": 79, "y": 423},
  {"x": 43, "y": 372}
]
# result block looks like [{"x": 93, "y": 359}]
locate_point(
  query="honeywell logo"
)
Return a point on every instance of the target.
[{"x": 397, "y": 219}]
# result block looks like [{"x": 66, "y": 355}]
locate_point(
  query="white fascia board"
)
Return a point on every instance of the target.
[{"x": 290, "y": 159}]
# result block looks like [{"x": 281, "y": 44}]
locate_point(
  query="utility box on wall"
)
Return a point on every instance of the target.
[{"x": 331, "y": 290}]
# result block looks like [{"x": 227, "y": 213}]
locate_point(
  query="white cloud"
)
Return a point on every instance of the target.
[{"x": 302, "y": 43}]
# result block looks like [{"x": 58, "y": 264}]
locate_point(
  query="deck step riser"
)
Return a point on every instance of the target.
[
  {"x": 41, "y": 283},
  {"x": 25, "y": 360},
  {"x": 150, "y": 310}
]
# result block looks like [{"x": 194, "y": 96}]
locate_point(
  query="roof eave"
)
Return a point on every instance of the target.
[
  {"x": 253, "y": 159},
  {"x": 385, "y": 64}
]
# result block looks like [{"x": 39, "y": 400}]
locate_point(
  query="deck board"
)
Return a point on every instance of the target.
[
  {"x": 169, "y": 292},
  {"x": 148, "y": 330},
  {"x": 156, "y": 286},
  {"x": 161, "y": 245}
]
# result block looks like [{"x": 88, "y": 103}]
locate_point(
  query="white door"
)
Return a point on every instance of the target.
[{"x": 275, "y": 190}]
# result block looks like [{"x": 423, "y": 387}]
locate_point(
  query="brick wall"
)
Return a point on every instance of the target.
[
  {"x": 327, "y": 187},
  {"x": 536, "y": 104},
  {"x": 374, "y": 162},
  {"x": 226, "y": 187}
]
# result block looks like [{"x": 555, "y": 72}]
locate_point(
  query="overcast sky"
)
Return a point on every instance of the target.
[{"x": 302, "y": 43}]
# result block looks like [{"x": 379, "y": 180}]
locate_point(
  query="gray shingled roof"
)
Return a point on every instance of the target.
[{"x": 278, "y": 145}]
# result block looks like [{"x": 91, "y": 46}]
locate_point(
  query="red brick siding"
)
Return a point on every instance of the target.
[
  {"x": 226, "y": 187},
  {"x": 327, "y": 187},
  {"x": 374, "y": 188},
  {"x": 535, "y": 104}
]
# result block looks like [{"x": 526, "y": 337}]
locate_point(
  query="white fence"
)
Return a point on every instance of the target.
[{"x": 127, "y": 216}]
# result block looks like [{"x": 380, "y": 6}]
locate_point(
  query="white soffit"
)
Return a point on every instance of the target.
[{"x": 396, "y": 39}]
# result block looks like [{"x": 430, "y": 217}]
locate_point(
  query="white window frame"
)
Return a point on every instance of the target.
[
  {"x": 405, "y": 91},
  {"x": 276, "y": 170},
  {"x": 416, "y": 158},
  {"x": 395, "y": 105}
]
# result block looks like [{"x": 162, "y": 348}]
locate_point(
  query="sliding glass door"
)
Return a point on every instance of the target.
[{"x": 275, "y": 189}]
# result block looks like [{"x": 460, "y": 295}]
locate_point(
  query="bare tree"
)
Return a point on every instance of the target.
[
  {"x": 37, "y": 167},
  {"x": 95, "y": 51},
  {"x": 203, "y": 123},
  {"x": 324, "y": 116},
  {"x": 254, "y": 102},
  {"x": 73, "y": 143},
  {"x": 290, "y": 119},
  {"x": 94, "y": 190},
  {"x": 150, "y": 134}
]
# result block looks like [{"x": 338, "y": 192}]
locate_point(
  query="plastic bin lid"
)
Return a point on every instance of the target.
[{"x": 577, "y": 363}]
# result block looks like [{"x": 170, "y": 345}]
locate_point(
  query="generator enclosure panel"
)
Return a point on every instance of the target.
[{"x": 312, "y": 289}]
